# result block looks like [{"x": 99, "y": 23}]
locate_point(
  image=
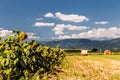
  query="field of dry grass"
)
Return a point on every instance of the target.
[{"x": 92, "y": 67}]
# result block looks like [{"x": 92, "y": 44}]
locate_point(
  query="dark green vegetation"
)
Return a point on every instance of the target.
[
  {"x": 72, "y": 51},
  {"x": 22, "y": 60},
  {"x": 112, "y": 44}
]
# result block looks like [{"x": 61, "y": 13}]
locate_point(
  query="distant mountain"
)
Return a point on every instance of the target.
[{"x": 113, "y": 44}]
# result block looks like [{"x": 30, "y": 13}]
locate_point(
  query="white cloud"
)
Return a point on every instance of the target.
[
  {"x": 101, "y": 22},
  {"x": 39, "y": 19},
  {"x": 43, "y": 24},
  {"x": 60, "y": 27},
  {"x": 5, "y": 32},
  {"x": 49, "y": 15},
  {"x": 71, "y": 17},
  {"x": 64, "y": 37},
  {"x": 112, "y": 32},
  {"x": 32, "y": 35}
]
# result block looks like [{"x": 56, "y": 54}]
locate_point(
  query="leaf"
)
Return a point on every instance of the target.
[
  {"x": 16, "y": 31},
  {"x": 8, "y": 71},
  {"x": 16, "y": 61},
  {"x": 26, "y": 73},
  {"x": 22, "y": 64}
]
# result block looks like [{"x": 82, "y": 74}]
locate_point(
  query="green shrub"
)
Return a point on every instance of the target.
[{"x": 22, "y": 60}]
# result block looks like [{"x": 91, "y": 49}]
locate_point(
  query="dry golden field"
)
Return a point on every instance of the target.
[{"x": 92, "y": 67}]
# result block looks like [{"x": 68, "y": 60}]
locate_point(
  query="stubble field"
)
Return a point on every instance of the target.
[{"x": 92, "y": 67}]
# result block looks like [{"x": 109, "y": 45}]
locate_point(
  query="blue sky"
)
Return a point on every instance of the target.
[{"x": 61, "y": 19}]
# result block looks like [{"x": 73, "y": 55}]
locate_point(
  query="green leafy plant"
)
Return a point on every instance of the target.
[{"x": 23, "y": 60}]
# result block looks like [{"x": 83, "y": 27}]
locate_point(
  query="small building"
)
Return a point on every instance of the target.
[
  {"x": 107, "y": 52},
  {"x": 84, "y": 52}
]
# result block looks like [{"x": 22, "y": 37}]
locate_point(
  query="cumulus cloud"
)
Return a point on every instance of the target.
[
  {"x": 67, "y": 17},
  {"x": 32, "y": 35},
  {"x": 39, "y": 19},
  {"x": 5, "y": 32},
  {"x": 101, "y": 22},
  {"x": 49, "y": 15},
  {"x": 112, "y": 32},
  {"x": 60, "y": 27},
  {"x": 43, "y": 24},
  {"x": 71, "y": 17}
]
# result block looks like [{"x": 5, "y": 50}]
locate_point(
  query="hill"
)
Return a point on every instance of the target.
[{"x": 113, "y": 44}]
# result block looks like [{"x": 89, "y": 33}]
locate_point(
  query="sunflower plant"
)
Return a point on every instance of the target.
[{"x": 23, "y": 60}]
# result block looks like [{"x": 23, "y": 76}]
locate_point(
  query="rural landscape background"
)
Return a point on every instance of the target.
[{"x": 44, "y": 40}]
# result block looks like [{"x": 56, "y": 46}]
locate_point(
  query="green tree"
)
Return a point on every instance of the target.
[{"x": 94, "y": 50}]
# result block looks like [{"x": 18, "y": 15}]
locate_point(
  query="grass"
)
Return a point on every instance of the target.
[{"x": 92, "y": 67}]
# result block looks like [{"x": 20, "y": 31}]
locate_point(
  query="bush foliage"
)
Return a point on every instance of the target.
[{"x": 23, "y": 60}]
